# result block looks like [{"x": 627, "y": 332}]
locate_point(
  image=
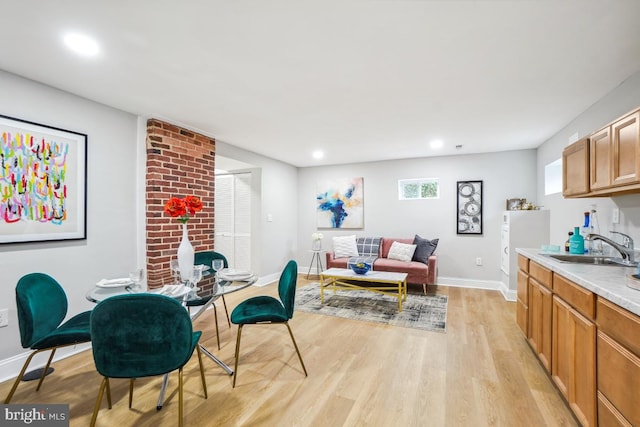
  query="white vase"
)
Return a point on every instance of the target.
[
  {"x": 316, "y": 245},
  {"x": 186, "y": 257}
]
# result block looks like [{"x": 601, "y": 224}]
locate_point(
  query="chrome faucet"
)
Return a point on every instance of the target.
[{"x": 625, "y": 249}]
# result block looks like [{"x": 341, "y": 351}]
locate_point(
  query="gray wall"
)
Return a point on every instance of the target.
[
  {"x": 568, "y": 213},
  {"x": 275, "y": 195},
  {"x": 110, "y": 249},
  {"x": 505, "y": 175}
]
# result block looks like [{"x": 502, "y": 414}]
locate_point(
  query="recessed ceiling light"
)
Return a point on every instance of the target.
[
  {"x": 81, "y": 44},
  {"x": 436, "y": 143},
  {"x": 318, "y": 154}
]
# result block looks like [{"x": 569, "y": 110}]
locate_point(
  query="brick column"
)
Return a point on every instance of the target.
[{"x": 179, "y": 163}]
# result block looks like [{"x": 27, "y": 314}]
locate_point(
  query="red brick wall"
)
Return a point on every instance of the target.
[{"x": 179, "y": 163}]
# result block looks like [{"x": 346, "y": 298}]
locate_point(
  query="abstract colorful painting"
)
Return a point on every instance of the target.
[
  {"x": 340, "y": 203},
  {"x": 42, "y": 182}
]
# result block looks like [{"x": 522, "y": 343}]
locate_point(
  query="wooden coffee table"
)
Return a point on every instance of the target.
[{"x": 382, "y": 282}]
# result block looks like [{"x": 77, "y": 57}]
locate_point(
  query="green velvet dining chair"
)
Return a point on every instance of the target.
[
  {"x": 265, "y": 309},
  {"x": 206, "y": 258},
  {"x": 42, "y": 306},
  {"x": 142, "y": 335}
]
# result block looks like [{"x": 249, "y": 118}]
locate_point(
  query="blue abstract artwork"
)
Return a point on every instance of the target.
[{"x": 340, "y": 203}]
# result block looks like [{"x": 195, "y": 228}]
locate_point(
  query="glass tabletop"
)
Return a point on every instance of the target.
[{"x": 206, "y": 290}]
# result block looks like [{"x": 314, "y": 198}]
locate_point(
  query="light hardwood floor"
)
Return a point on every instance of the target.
[{"x": 480, "y": 373}]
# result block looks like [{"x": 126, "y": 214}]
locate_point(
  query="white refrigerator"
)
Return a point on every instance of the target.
[{"x": 521, "y": 229}]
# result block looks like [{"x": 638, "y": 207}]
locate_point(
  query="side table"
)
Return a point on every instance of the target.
[{"x": 316, "y": 262}]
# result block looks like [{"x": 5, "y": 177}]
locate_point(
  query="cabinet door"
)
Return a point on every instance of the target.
[
  {"x": 626, "y": 150},
  {"x": 540, "y": 321},
  {"x": 574, "y": 360},
  {"x": 619, "y": 377},
  {"x": 600, "y": 159},
  {"x": 522, "y": 303},
  {"x": 575, "y": 168}
]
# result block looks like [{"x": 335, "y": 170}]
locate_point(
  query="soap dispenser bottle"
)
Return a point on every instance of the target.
[{"x": 576, "y": 242}]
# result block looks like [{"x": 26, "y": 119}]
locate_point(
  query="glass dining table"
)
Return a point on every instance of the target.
[{"x": 206, "y": 293}]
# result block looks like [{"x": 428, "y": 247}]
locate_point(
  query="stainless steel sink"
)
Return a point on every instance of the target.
[{"x": 588, "y": 259}]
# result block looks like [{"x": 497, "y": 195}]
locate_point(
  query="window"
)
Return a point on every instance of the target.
[{"x": 420, "y": 188}]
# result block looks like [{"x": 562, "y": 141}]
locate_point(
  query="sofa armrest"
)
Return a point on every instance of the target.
[
  {"x": 330, "y": 257},
  {"x": 432, "y": 274}
]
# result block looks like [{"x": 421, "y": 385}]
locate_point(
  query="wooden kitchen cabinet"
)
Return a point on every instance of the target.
[
  {"x": 522, "y": 300},
  {"x": 600, "y": 159},
  {"x": 625, "y": 141},
  {"x": 575, "y": 168},
  {"x": 607, "y": 163},
  {"x": 573, "y": 360},
  {"x": 540, "y": 299},
  {"x": 618, "y": 365}
]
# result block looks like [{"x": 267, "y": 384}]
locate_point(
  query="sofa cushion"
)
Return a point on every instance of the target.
[
  {"x": 401, "y": 251},
  {"x": 388, "y": 241},
  {"x": 424, "y": 249},
  {"x": 345, "y": 246}
]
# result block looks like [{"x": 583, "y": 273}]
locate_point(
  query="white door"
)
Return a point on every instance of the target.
[{"x": 233, "y": 219}]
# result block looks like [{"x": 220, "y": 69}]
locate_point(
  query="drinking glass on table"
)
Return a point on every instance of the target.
[
  {"x": 217, "y": 265},
  {"x": 175, "y": 270},
  {"x": 136, "y": 277}
]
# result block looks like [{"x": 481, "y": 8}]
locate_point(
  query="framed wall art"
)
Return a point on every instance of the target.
[
  {"x": 43, "y": 174},
  {"x": 339, "y": 203},
  {"x": 469, "y": 207}
]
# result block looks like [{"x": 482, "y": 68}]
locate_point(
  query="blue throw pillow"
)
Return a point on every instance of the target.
[{"x": 424, "y": 249}]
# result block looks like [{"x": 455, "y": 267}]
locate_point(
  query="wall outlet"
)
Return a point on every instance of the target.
[
  {"x": 615, "y": 216},
  {"x": 4, "y": 317},
  {"x": 478, "y": 261}
]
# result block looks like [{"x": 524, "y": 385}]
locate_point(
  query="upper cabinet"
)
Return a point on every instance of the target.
[
  {"x": 575, "y": 168},
  {"x": 606, "y": 163}
]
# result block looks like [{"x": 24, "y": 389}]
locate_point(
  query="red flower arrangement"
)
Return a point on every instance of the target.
[{"x": 183, "y": 208}]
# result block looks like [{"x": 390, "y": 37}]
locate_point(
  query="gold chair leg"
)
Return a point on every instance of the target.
[
  {"x": 20, "y": 375},
  {"x": 131, "y": 392},
  {"x": 108, "y": 393},
  {"x": 235, "y": 368},
  {"x": 224, "y": 302},
  {"x": 296, "y": 346},
  {"x": 424, "y": 288},
  {"x": 215, "y": 315},
  {"x": 96, "y": 407},
  {"x": 180, "y": 397},
  {"x": 46, "y": 368},
  {"x": 204, "y": 383}
]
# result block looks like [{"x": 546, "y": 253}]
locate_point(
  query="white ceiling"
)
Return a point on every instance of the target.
[{"x": 361, "y": 80}]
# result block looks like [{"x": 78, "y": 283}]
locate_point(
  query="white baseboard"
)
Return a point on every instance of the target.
[
  {"x": 9, "y": 368},
  {"x": 266, "y": 280},
  {"x": 492, "y": 285}
]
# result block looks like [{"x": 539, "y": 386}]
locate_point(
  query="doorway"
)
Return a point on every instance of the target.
[{"x": 233, "y": 218}]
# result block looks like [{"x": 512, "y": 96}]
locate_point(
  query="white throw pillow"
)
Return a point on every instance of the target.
[
  {"x": 345, "y": 246},
  {"x": 401, "y": 251}
]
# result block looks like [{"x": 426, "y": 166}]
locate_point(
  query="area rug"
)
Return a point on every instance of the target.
[{"x": 426, "y": 312}]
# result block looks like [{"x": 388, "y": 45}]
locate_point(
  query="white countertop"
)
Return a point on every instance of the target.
[{"x": 606, "y": 281}]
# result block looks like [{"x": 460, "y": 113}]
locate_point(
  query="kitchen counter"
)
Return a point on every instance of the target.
[{"x": 606, "y": 281}]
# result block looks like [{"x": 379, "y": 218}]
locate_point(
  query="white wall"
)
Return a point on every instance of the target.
[
  {"x": 110, "y": 248},
  {"x": 568, "y": 213},
  {"x": 275, "y": 193},
  {"x": 505, "y": 175}
]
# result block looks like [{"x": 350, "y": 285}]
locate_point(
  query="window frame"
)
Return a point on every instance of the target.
[{"x": 402, "y": 183}]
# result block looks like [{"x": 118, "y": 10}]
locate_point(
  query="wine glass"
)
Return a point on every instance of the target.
[
  {"x": 196, "y": 276},
  {"x": 217, "y": 265},
  {"x": 175, "y": 269}
]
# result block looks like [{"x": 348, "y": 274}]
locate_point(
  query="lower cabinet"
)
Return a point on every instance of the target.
[
  {"x": 618, "y": 365},
  {"x": 573, "y": 361},
  {"x": 540, "y": 321},
  {"x": 522, "y": 302}
]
